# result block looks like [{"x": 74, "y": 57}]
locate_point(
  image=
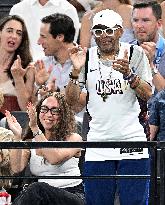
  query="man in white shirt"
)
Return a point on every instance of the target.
[
  {"x": 32, "y": 11},
  {"x": 112, "y": 83}
]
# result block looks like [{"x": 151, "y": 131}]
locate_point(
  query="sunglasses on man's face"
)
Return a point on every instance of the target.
[
  {"x": 107, "y": 31},
  {"x": 54, "y": 110}
]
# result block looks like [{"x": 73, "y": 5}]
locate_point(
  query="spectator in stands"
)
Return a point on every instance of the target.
[
  {"x": 156, "y": 118},
  {"x": 124, "y": 8},
  {"x": 112, "y": 83},
  {"x": 16, "y": 73},
  {"x": 146, "y": 22},
  {"x": 162, "y": 3},
  {"x": 83, "y": 5},
  {"x": 51, "y": 120},
  {"x": 5, "y": 154},
  {"x": 56, "y": 37},
  {"x": 37, "y": 9}
]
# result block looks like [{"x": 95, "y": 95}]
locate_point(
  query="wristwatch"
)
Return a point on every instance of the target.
[
  {"x": 39, "y": 132},
  {"x": 154, "y": 71}
]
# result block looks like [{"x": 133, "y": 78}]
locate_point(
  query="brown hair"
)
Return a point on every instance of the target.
[
  {"x": 24, "y": 49},
  {"x": 125, "y": 2}
]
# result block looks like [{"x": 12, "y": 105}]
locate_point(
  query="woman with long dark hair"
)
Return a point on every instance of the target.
[{"x": 16, "y": 73}]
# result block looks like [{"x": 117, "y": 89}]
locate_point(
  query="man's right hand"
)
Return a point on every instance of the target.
[
  {"x": 78, "y": 58},
  {"x": 41, "y": 74},
  {"x": 149, "y": 49}
]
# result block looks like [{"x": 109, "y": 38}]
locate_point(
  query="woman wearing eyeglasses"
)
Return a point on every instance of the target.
[{"x": 51, "y": 120}]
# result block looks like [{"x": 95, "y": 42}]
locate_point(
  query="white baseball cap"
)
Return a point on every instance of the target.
[{"x": 107, "y": 18}]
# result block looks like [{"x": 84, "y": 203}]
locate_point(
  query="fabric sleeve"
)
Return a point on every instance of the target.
[
  {"x": 154, "y": 118},
  {"x": 140, "y": 64}
]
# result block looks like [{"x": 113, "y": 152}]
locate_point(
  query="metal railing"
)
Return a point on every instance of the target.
[{"x": 152, "y": 146}]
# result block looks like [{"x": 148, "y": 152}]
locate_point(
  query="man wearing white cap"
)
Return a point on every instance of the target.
[{"x": 112, "y": 83}]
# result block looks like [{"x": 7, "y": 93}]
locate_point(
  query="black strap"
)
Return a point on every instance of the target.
[
  {"x": 86, "y": 72},
  {"x": 86, "y": 64},
  {"x": 131, "y": 52}
]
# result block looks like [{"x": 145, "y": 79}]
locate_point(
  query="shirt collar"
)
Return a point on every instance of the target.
[
  {"x": 33, "y": 2},
  {"x": 159, "y": 41}
]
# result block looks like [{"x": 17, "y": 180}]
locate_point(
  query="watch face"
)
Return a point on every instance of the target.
[{"x": 154, "y": 71}]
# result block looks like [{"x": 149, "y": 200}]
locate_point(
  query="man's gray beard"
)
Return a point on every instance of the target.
[{"x": 108, "y": 51}]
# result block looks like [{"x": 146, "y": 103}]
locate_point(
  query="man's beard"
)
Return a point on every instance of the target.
[{"x": 148, "y": 38}]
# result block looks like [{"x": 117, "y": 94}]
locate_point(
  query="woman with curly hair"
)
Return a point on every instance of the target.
[
  {"x": 16, "y": 72},
  {"x": 51, "y": 120}
]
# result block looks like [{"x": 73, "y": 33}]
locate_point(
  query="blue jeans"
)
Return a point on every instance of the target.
[{"x": 131, "y": 191}]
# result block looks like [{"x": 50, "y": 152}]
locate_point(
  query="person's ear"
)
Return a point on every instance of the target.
[
  {"x": 120, "y": 32},
  {"x": 159, "y": 23},
  {"x": 60, "y": 37}
]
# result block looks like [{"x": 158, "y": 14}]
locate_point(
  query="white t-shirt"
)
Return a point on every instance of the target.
[
  {"x": 116, "y": 119},
  {"x": 39, "y": 167},
  {"x": 32, "y": 12}
]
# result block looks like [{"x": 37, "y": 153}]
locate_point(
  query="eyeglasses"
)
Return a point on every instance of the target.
[
  {"x": 107, "y": 31},
  {"x": 54, "y": 110}
]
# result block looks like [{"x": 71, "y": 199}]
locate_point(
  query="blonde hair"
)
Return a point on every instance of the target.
[{"x": 5, "y": 169}]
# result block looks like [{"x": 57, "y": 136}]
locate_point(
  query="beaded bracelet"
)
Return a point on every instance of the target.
[
  {"x": 72, "y": 76},
  {"x": 43, "y": 86},
  {"x": 131, "y": 78},
  {"x": 128, "y": 77},
  {"x": 135, "y": 83},
  {"x": 74, "y": 81}
]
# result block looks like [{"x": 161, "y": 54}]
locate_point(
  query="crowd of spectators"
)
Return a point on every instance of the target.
[{"x": 66, "y": 59}]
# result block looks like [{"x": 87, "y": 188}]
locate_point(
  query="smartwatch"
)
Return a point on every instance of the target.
[
  {"x": 39, "y": 132},
  {"x": 154, "y": 71}
]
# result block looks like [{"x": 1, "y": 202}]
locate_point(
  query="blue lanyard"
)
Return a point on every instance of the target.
[{"x": 159, "y": 52}]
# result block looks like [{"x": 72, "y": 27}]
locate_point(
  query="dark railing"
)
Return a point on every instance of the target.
[{"x": 152, "y": 146}]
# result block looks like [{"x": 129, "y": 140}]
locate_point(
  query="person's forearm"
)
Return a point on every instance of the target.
[
  {"x": 158, "y": 81},
  {"x": 16, "y": 160},
  {"x": 72, "y": 93},
  {"x": 18, "y": 157},
  {"x": 141, "y": 87},
  {"x": 23, "y": 95},
  {"x": 153, "y": 131},
  {"x": 144, "y": 90}
]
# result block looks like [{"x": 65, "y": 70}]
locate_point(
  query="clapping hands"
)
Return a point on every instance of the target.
[
  {"x": 78, "y": 57},
  {"x": 16, "y": 69},
  {"x": 31, "y": 110},
  {"x": 13, "y": 125},
  {"x": 41, "y": 74}
]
